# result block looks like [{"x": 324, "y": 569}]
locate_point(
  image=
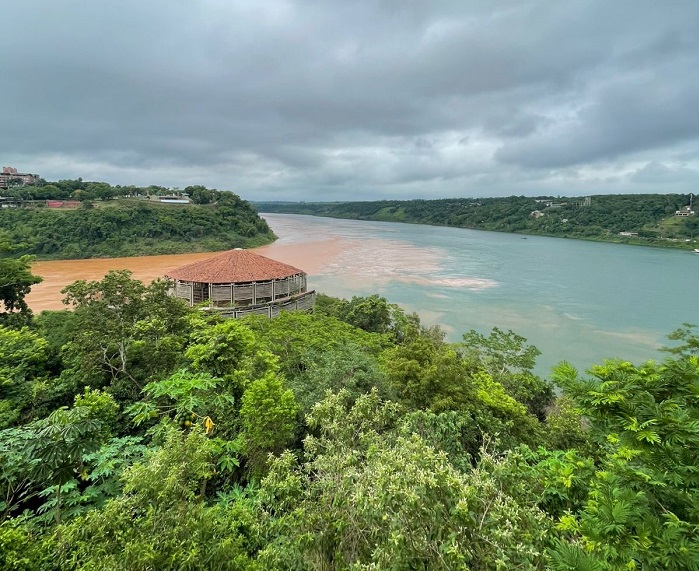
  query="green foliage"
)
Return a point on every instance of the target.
[
  {"x": 49, "y": 453},
  {"x": 367, "y": 500},
  {"x": 689, "y": 341},
  {"x": 23, "y": 362},
  {"x": 642, "y": 508},
  {"x": 160, "y": 502},
  {"x": 22, "y": 547},
  {"x": 298, "y": 339},
  {"x": 60, "y": 441},
  {"x": 129, "y": 228},
  {"x": 124, "y": 333},
  {"x": 16, "y": 281},
  {"x": 104, "y": 467},
  {"x": 411, "y": 455},
  {"x": 268, "y": 420},
  {"x": 195, "y": 400},
  {"x": 556, "y": 481},
  {"x": 227, "y": 349},
  {"x": 651, "y": 216},
  {"x": 454, "y": 433},
  {"x": 373, "y": 314},
  {"x": 509, "y": 360},
  {"x": 183, "y": 394},
  {"x": 347, "y": 367},
  {"x": 428, "y": 374},
  {"x": 56, "y": 327},
  {"x": 16, "y": 467},
  {"x": 500, "y": 352},
  {"x": 565, "y": 428}
]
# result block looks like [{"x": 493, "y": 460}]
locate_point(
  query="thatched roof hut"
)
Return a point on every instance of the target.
[{"x": 239, "y": 282}]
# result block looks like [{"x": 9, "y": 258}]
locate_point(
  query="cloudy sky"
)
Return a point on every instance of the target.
[{"x": 355, "y": 99}]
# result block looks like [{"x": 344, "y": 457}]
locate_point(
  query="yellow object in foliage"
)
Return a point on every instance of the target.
[{"x": 209, "y": 425}]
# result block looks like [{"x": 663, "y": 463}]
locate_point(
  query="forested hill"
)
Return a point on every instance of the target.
[
  {"x": 649, "y": 218},
  {"x": 133, "y": 227}
]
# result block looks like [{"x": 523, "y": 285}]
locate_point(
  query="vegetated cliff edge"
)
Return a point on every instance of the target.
[
  {"x": 133, "y": 227},
  {"x": 645, "y": 219}
]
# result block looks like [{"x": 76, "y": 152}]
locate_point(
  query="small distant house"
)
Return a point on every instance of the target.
[
  {"x": 9, "y": 202},
  {"x": 685, "y": 211},
  {"x": 239, "y": 282},
  {"x": 536, "y": 214},
  {"x": 628, "y": 233},
  {"x": 174, "y": 199}
]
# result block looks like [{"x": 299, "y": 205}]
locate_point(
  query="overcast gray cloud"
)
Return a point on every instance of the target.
[{"x": 329, "y": 99}]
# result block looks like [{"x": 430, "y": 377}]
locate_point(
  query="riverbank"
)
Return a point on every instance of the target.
[
  {"x": 133, "y": 228},
  {"x": 655, "y": 220},
  {"x": 311, "y": 256}
]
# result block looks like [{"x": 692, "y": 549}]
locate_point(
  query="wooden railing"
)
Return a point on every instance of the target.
[{"x": 301, "y": 302}]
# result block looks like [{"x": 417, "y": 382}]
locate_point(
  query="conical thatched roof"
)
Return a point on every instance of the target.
[{"x": 233, "y": 266}]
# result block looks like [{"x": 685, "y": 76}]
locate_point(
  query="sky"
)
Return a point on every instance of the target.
[{"x": 355, "y": 99}]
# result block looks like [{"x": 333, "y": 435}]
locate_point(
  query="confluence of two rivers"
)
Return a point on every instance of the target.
[{"x": 576, "y": 301}]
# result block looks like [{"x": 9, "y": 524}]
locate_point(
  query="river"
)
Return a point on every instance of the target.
[{"x": 575, "y": 300}]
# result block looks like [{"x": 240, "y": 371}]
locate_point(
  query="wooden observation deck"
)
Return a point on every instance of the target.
[{"x": 239, "y": 282}]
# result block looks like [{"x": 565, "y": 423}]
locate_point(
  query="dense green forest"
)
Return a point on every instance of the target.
[
  {"x": 132, "y": 228},
  {"x": 649, "y": 218},
  {"x": 137, "y": 433}
]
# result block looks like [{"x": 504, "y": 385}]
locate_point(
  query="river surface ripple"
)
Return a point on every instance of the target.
[{"x": 576, "y": 301}]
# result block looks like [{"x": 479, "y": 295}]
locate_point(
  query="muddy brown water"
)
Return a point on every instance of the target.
[{"x": 309, "y": 256}]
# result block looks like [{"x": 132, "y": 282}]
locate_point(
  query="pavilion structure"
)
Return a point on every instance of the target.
[{"x": 239, "y": 282}]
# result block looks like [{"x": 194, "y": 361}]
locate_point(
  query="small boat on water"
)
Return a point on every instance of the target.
[{"x": 696, "y": 251}]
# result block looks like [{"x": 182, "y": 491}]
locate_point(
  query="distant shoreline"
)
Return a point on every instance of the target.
[{"x": 655, "y": 220}]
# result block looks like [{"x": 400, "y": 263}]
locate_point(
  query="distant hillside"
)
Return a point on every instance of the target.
[
  {"x": 132, "y": 228},
  {"x": 647, "y": 219}
]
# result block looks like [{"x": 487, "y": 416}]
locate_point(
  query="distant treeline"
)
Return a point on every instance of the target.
[
  {"x": 643, "y": 218},
  {"x": 81, "y": 190},
  {"x": 133, "y": 228}
]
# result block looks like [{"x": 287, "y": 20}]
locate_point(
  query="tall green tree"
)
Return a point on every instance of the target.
[
  {"x": 367, "y": 498},
  {"x": 16, "y": 281},
  {"x": 508, "y": 358},
  {"x": 124, "y": 332},
  {"x": 23, "y": 366},
  {"x": 642, "y": 511},
  {"x": 268, "y": 419}
]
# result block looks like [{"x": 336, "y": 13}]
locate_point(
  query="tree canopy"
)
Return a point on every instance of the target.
[{"x": 139, "y": 433}]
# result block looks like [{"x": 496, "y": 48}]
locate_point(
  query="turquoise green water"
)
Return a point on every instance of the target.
[{"x": 576, "y": 301}]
